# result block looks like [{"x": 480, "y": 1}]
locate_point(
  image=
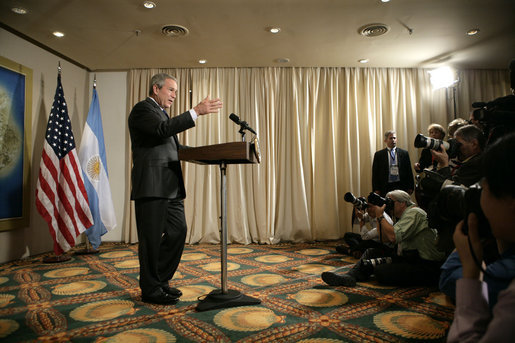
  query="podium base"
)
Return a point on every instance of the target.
[{"x": 216, "y": 300}]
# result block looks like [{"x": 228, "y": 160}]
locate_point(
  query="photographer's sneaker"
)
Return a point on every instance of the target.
[{"x": 333, "y": 279}]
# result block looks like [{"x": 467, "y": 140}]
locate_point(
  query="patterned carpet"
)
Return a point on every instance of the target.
[{"x": 96, "y": 298}]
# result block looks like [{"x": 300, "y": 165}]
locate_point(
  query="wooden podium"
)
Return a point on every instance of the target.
[{"x": 223, "y": 154}]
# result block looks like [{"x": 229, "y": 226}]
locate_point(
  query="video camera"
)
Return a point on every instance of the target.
[
  {"x": 497, "y": 116},
  {"x": 451, "y": 146}
]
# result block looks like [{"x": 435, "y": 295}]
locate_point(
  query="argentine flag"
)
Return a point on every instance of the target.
[{"x": 92, "y": 157}]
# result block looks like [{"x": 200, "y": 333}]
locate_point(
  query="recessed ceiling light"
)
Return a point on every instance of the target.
[
  {"x": 58, "y": 34},
  {"x": 472, "y": 32},
  {"x": 274, "y": 29},
  {"x": 149, "y": 4},
  {"x": 282, "y": 60},
  {"x": 19, "y": 10},
  {"x": 385, "y": 0},
  {"x": 363, "y": 60},
  {"x": 202, "y": 61}
]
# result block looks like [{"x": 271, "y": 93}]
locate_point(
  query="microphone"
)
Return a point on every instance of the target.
[{"x": 244, "y": 125}]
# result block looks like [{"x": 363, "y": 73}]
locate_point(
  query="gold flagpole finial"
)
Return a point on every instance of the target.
[
  {"x": 95, "y": 81},
  {"x": 59, "y": 67}
]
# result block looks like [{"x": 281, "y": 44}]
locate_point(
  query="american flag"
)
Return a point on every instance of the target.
[{"x": 61, "y": 197}]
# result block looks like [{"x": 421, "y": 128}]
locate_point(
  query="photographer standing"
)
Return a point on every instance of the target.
[
  {"x": 417, "y": 261},
  {"x": 427, "y": 160},
  {"x": 473, "y": 320},
  {"x": 466, "y": 170}
]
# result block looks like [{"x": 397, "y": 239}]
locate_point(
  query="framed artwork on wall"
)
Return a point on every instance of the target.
[{"x": 15, "y": 144}]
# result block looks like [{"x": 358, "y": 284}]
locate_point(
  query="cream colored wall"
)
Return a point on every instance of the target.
[{"x": 77, "y": 83}]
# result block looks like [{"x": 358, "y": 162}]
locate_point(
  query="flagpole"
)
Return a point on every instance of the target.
[
  {"x": 63, "y": 257},
  {"x": 89, "y": 249}
]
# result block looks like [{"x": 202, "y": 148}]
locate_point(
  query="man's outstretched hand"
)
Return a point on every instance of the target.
[{"x": 207, "y": 106}]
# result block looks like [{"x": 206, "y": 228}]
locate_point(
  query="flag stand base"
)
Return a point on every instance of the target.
[
  {"x": 56, "y": 259},
  {"x": 89, "y": 250},
  {"x": 86, "y": 251}
]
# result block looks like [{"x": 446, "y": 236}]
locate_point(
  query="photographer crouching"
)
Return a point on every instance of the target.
[
  {"x": 363, "y": 216},
  {"x": 416, "y": 260},
  {"x": 473, "y": 319}
]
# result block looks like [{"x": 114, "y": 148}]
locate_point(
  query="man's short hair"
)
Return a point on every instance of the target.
[
  {"x": 455, "y": 125},
  {"x": 388, "y": 133},
  {"x": 437, "y": 127},
  {"x": 159, "y": 80},
  {"x": 471, "y": 132},
  {"x": 400, "y": 196}
]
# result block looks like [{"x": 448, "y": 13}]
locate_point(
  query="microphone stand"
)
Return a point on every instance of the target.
[{"x": 242, "y": 132}]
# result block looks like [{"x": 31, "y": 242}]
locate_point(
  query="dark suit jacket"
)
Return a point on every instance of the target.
[
  {"x": 467, "y": 174},
  {"x": 156, "y": 170},
  {"x": 380, "y": 168}
]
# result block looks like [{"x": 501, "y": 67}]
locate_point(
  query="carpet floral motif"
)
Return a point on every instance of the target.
[{"x": 96, "y": 298}]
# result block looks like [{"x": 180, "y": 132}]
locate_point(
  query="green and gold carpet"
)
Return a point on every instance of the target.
[{"x": 96, "y": 298}]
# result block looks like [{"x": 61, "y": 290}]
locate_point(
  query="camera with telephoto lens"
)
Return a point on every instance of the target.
[
  {"x": 376, "y": 199},
  {"x": 360, "y": 203},
  {"x": 373, "y": 262},
  {"x": 451, "y": 146}
]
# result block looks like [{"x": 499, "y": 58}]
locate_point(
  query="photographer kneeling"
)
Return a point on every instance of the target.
[
  {"x": 473, "y": 319},
  {"x": 417, "y": 261}
]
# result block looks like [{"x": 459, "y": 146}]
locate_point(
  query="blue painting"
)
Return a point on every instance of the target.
[{"x": 12, "y": 138}]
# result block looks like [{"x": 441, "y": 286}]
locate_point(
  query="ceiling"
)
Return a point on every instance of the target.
[{"x": 123, "y": 34}]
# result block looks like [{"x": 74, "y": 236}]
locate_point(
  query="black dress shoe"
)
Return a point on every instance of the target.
[
  {"x": 172, "y": 291},
  {"x": 334, "y": 279},
  {"x": 161, "y": 298}
]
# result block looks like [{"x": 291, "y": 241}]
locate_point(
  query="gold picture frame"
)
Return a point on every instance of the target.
[{"x": 15, "y": 144}]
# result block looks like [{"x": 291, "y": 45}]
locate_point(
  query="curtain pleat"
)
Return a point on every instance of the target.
[{"x": 318, "y": 129}]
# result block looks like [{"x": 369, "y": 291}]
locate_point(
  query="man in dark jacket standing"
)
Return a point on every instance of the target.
[
  {"x": 158, "y": 186},
  {"x": 391, "y": 168}
]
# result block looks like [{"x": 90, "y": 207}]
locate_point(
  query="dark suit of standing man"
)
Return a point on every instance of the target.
[
  {"x": 391, "y": 168},
  {"x": 158, "y": 186}
]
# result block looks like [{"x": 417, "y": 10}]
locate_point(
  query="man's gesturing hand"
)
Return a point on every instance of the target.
[{"x": 207, "y": 106}]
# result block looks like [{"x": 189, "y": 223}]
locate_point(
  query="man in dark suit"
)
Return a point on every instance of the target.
[
  {"x": 158, "y": 186},
  {"x": 391, "y": 168}
]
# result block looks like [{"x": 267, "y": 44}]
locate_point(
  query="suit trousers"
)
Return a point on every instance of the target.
[
  {"x": 402, "y": 271},
  {"x": 161, "y": 226}
]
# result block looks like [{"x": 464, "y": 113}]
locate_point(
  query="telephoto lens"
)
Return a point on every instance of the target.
[
  {"x": 360, "y": 203},
  {"x": 376, "y": 261}
]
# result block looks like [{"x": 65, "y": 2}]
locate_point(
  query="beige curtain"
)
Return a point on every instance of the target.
[
  {"x": 318, "y": 130},
  {"x": 479, "y": 86}
]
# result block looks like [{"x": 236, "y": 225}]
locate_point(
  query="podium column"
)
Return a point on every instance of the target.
[{"x": 224, "y": 298}]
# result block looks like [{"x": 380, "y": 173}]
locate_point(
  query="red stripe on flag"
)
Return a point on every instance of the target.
[
  {"x": 44, "y": 213},
  {"x": 65, "y": 208},
  {"x": 82, "y": 202}
]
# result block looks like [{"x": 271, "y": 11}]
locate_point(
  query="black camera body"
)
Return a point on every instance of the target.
[
  {"x": 360, "y": 203},
  {"x": 376, "y": 199},
  {"x": 451, "y": 146},
  {"x": 453, "y": 204}
]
